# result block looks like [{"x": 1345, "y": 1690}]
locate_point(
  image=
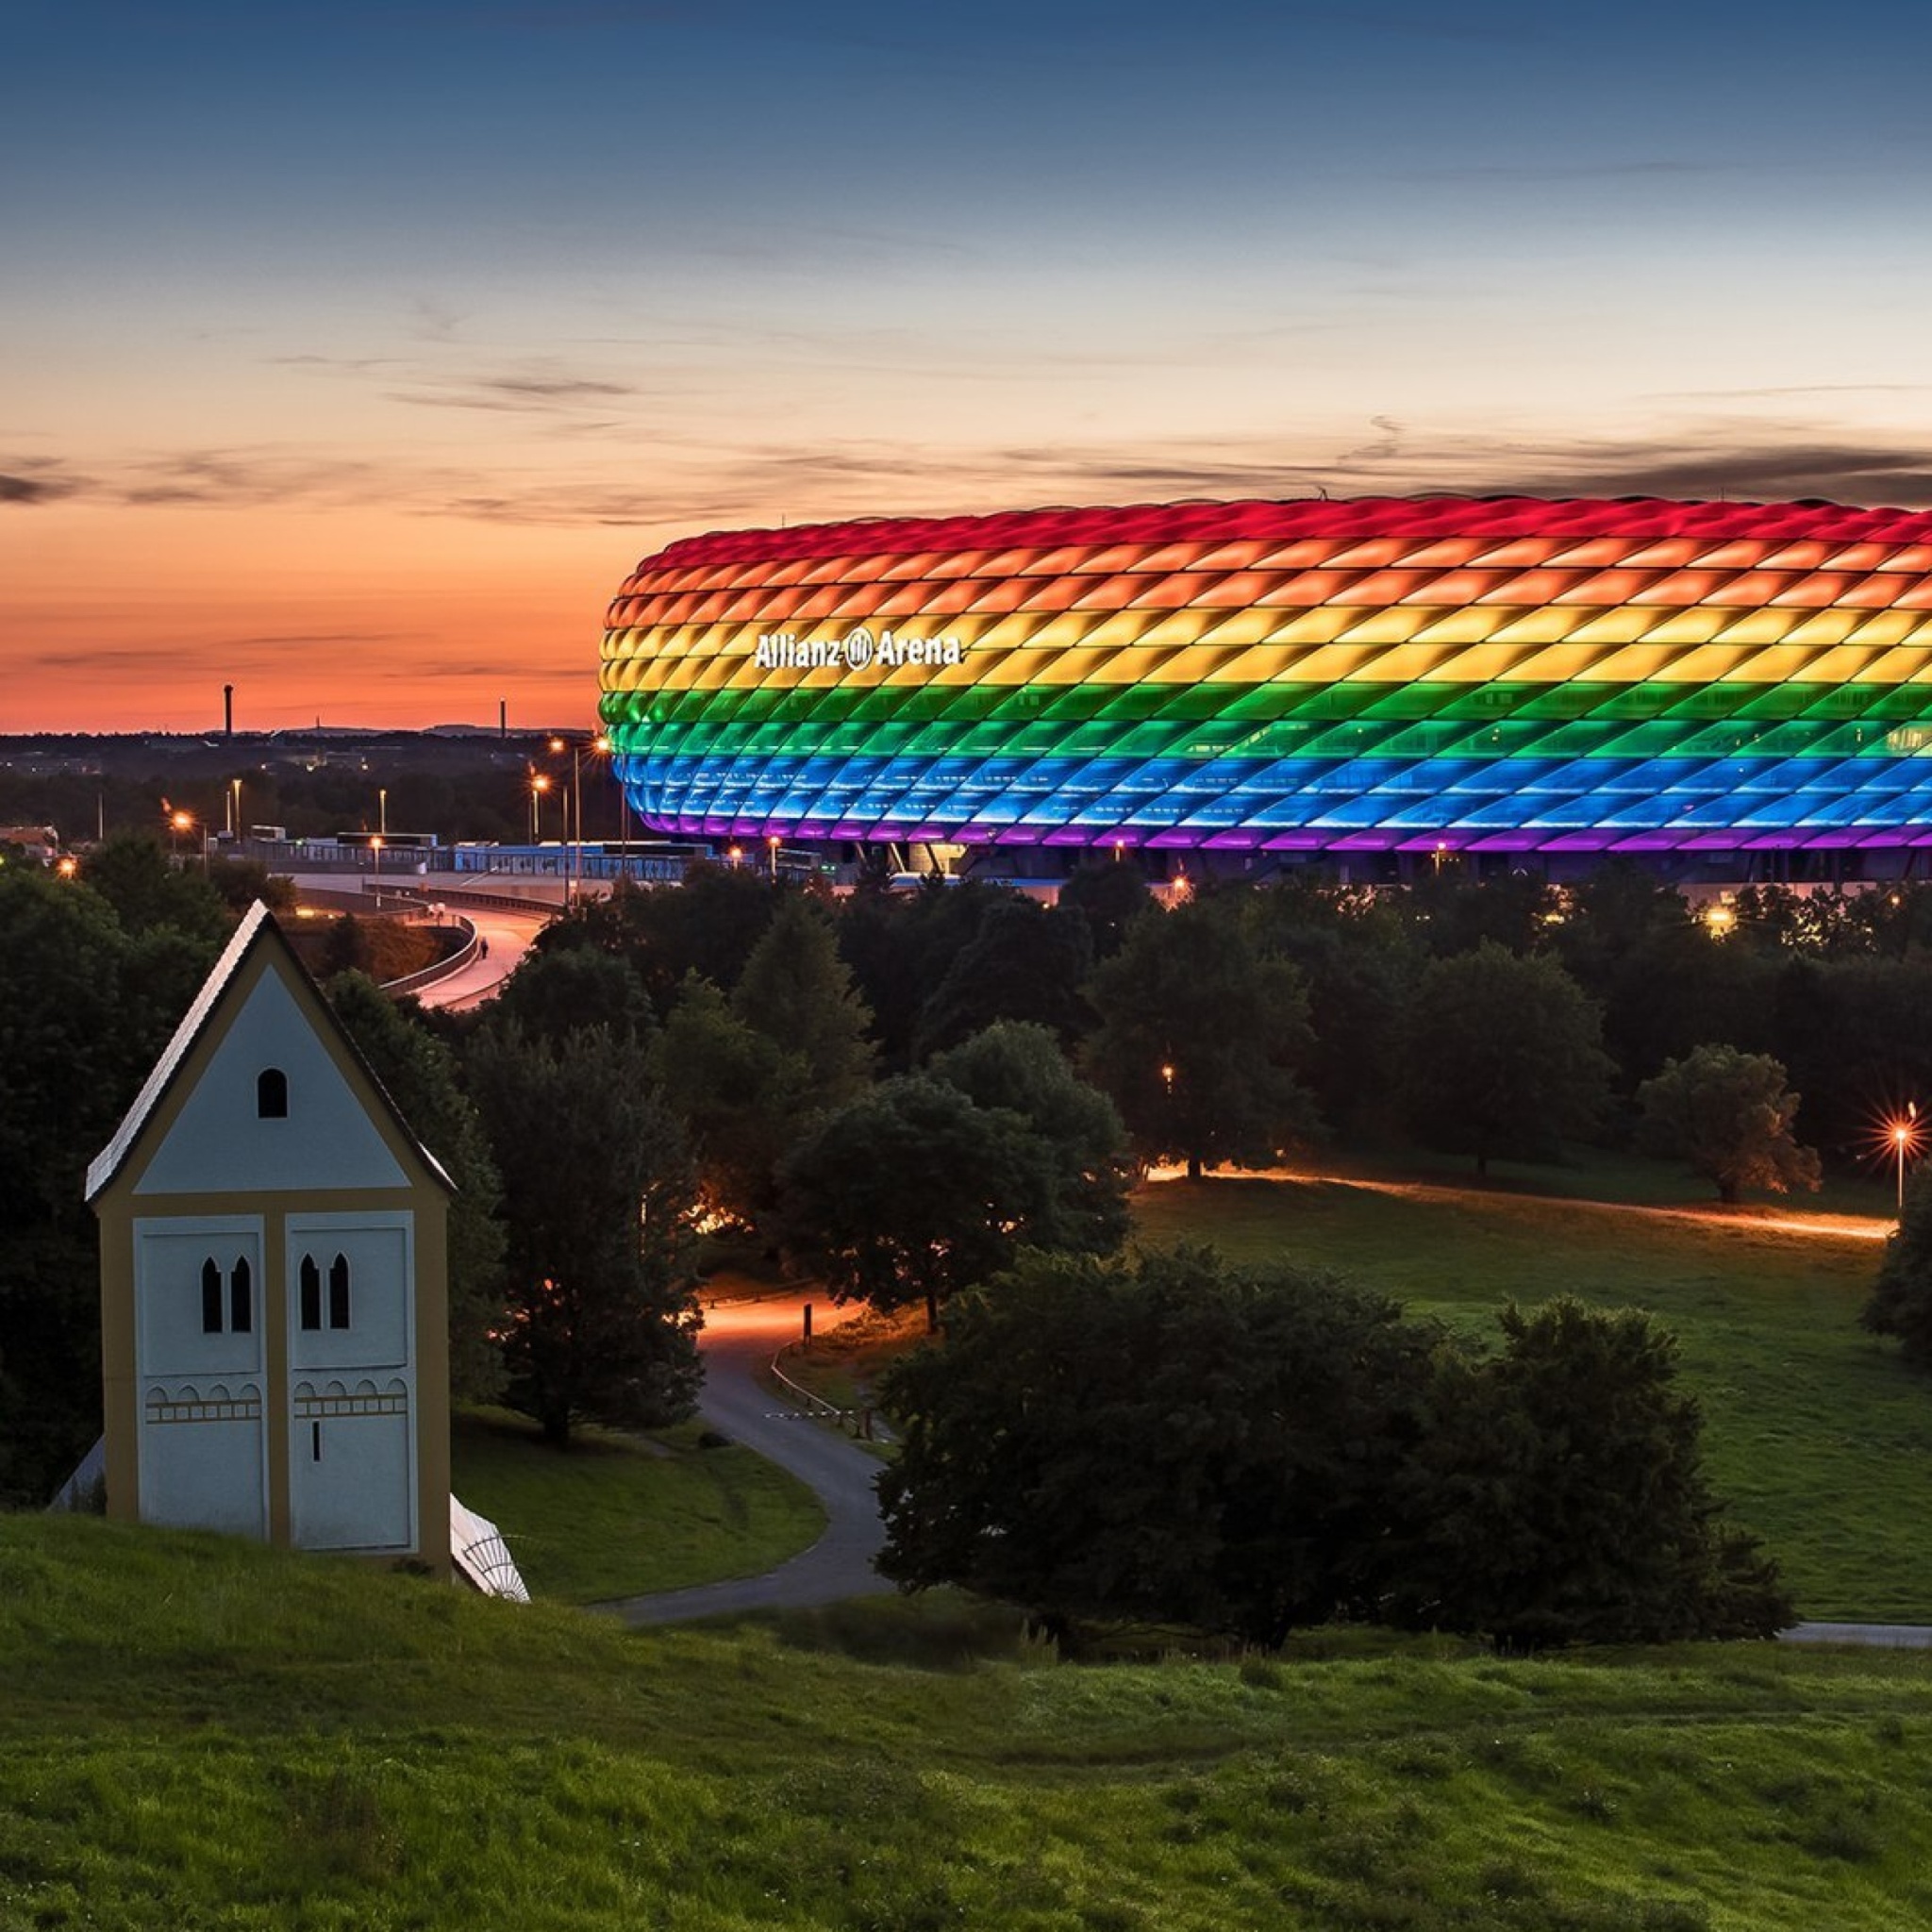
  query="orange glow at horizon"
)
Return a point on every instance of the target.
[{"x": 349, "y": 617}]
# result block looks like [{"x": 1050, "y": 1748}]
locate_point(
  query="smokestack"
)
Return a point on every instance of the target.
[
  {"x": 228, "y": 710},
  {"x": 503, "y": 717}
]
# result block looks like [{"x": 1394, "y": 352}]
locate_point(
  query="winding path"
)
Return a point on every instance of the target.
[{"x": 739, "y": 1338}]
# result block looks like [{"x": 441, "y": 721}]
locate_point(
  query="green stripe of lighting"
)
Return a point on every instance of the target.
[{"x": 1571, "y": 720}]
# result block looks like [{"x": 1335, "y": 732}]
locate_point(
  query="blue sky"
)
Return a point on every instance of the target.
[{"x": 378, "y": 341}]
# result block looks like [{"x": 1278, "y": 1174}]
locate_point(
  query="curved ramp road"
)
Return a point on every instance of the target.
[{"x": 739, "y": 1340}]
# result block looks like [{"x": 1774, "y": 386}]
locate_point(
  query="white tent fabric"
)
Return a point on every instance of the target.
[{"x": 481, "y": 1557}]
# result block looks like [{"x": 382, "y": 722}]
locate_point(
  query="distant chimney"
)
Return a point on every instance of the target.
[
  {"x": 228, "y": 710},
  {"x": 503, "y": 717}
]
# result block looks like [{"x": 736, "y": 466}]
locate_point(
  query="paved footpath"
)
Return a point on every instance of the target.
[
  {"x": 740, "y": 1338},
  {"x": 1879, "y": 1636}
]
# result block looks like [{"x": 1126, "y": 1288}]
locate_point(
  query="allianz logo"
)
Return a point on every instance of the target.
[{"x": 858, "y": 650}]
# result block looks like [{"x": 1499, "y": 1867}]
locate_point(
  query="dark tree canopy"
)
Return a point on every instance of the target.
[
  {"x": 597, "y": 1198},
  {"x": 554, "y": 993},
  {"x": 1559, "y": 1496},
  {"x": 1026, "y": 962},
  {"x": 1180, "y": 1441},
  {"x": 1729, "y": 1115},
  {"x": 1199, "y": 1039},
  {"x": 85, "y": 1010},
  {"x": 1503, "y": 1057},
  {"x": 912, "y": 1193},
  {"x": 1018, "y": 1068},
  {"x": 1246, "y": 1450},
  {"x": 1109, "y": 894},
  {"x": 131, "y": 871},
  {"x": 796, "y": 990},
  {"x": 1901, "y": 1301},
  {"x": 731, "y": 1087}
]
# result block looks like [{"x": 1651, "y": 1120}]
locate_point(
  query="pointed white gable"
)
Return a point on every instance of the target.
[{"x": 219, "y": 1139}]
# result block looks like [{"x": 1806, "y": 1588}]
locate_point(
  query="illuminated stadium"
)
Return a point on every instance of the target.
[{"x": 1388, "y": 675}]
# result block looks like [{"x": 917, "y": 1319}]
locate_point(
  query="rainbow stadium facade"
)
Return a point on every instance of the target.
[{"x": 1502, "y": 675}]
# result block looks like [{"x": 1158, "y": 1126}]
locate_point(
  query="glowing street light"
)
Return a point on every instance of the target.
[
  {"x": 771, "y": 841},
  {"x": 1904, "y": 1140},
  {"x": 540, "y": 784}
]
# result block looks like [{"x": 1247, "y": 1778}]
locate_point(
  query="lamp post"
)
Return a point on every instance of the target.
[
  {"x": 1904, "y": 1140},
  {"x": 382, "y": 811},
  {"x": 772, "y": 842},
  {"x": 540, "y": 784}
]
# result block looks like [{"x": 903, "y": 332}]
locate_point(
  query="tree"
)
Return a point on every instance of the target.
[
  {"x": 85, "y": 1010},
  {"x": 132, "y": 872},
  {"x": 1026, "y": 962},
  {"x": 1503, "y": 1056},
  {"x": 1358, "y": 960},
  {"x": 900, "y": 946},
  {"x": 1109, "y": 895},
  {"x": 796, "y": 990},
  {"x": 1901, "y": 1300},
  {"x": 420, "y": 1074},
  {"x": 1199, "y": 1037},
  {"x": 1182, "y": 1440},
  {"x": 912, "y": 1193},
  {"x": 553, "y": 994},
  {"x": 596, "y": 1201},
  {"x": 735, "y": 1091},
  {"x": 1729, "y": 1115},
  {"x": 1559, "y": 1496},
  {"x": 1018, "y": 1068}
]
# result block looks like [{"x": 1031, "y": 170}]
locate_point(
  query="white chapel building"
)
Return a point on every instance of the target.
[{"x": 274, "y": 1281}]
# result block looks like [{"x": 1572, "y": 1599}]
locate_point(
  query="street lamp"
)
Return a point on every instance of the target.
[
  {"x": 382, "y": 811},
  {"x": 771, "y": 841},
  {"x": 540, "y": 784},
  {"x": 1904, "y": 1140}
]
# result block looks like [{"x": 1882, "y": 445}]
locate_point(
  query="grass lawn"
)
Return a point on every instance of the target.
[
  {"x": 201, "y": 1733},
  {"x": 1821, "y": 1440},
  {"x": 619, "y": 1515}
]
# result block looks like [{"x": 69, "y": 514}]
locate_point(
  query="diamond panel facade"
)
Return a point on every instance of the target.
[{"x": 1489, "y": 674}]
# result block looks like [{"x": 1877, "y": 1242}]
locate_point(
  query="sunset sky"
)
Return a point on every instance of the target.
[{"x": 352, "y": 354}]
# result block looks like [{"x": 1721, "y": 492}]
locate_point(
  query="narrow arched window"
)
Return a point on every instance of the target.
[
  {"x": 311, "y": 1293},
  {"x": 339, "y": 1292},
  {"x": 241, "y": 1297},
  {"x": 211, "y": 1296},
  {"x": 272, "y": 1094}
]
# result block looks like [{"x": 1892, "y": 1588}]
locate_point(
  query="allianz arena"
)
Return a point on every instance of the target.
[{"x": 1497, "y": 674}]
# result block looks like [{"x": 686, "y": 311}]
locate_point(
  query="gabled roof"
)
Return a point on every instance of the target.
[{"x": 258, "y": 928}]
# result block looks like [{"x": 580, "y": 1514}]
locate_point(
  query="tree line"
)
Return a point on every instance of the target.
[{"x": 902, "y": 1092}]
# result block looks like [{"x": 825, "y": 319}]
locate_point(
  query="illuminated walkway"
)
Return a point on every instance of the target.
[{"x": 740, "y": 1338}]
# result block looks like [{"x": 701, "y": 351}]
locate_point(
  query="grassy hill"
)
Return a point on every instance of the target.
[{"x": 199, "y": 1733}]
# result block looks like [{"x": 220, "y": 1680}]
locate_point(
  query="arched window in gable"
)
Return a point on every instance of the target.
[
  {"x": 310, "y": 1278},
  {"x": 272, "y": 1094},
  {"x": 211, "y": 1296},
  {"x": 241, "y": 1297},
  {"x": 339, "y": 1292}
]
